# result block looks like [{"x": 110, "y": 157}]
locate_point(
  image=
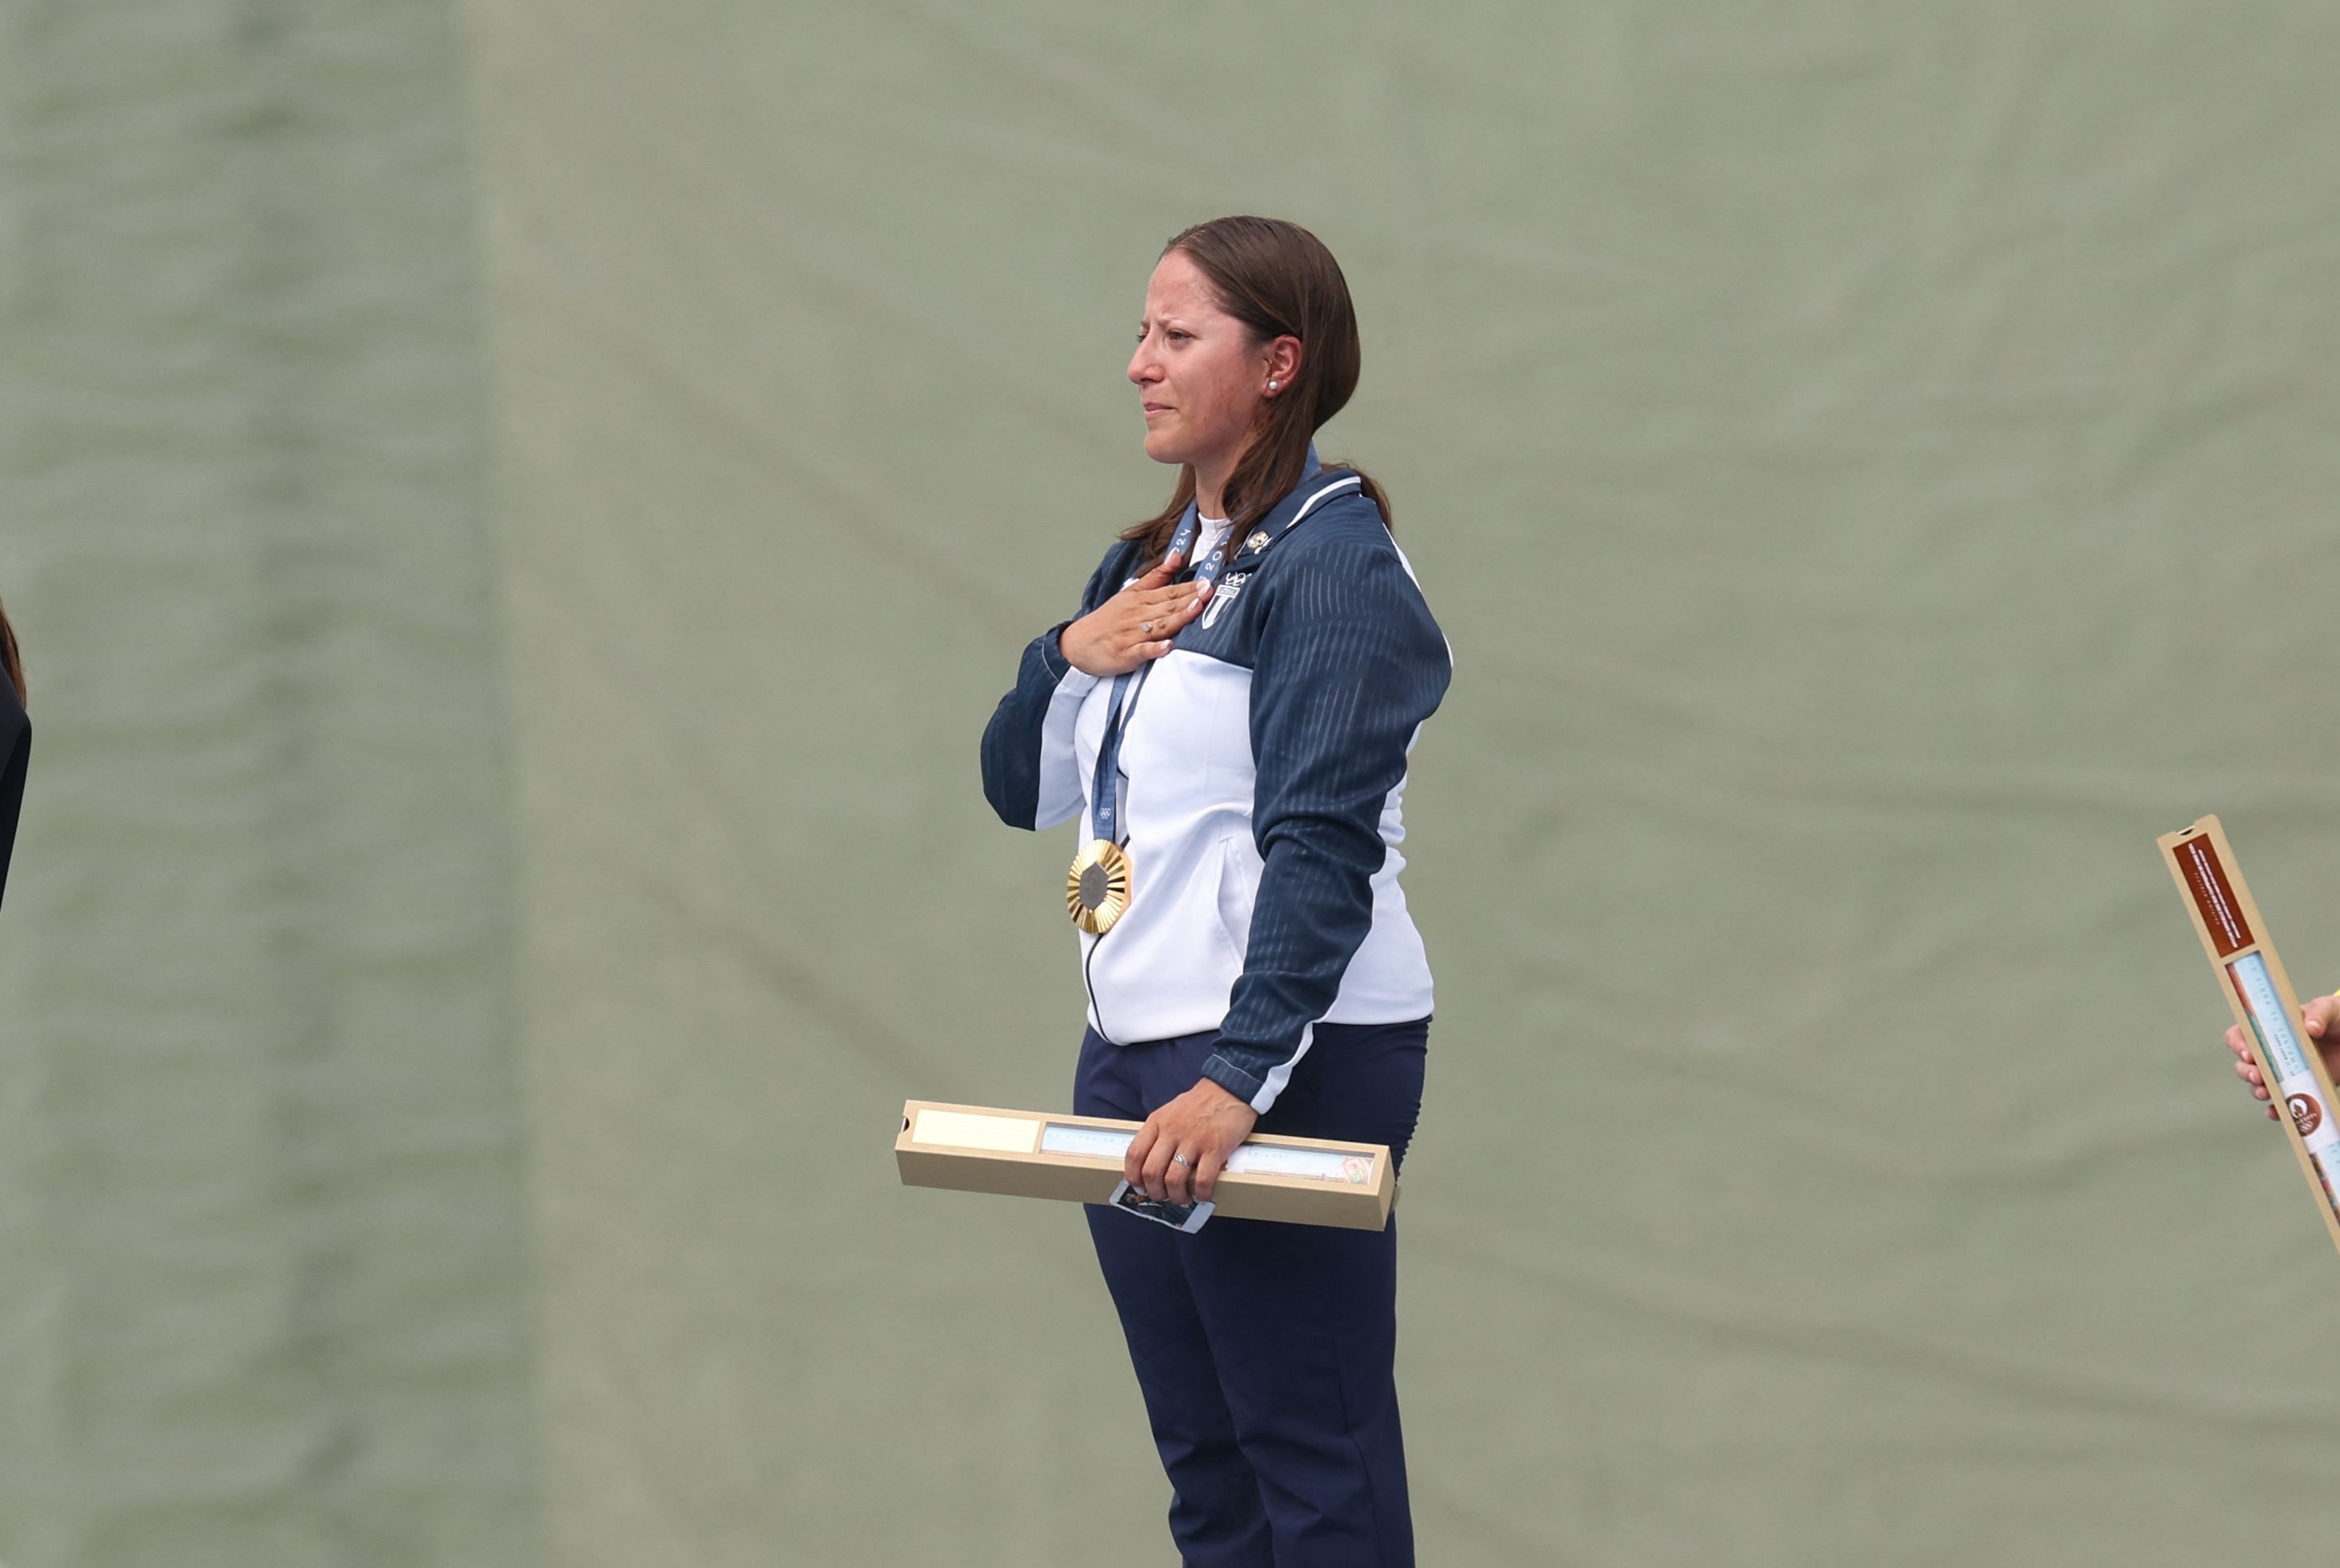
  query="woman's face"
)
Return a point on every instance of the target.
[{"x": 1199, "y": 376}]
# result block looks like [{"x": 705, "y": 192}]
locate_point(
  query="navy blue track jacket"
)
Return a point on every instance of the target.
[{"x": 1262, "y": 771}]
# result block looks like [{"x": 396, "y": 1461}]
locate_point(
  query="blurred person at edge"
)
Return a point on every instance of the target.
[
  {"x": 1254, "y": 702},
  {"x": 16, "y": 743}
]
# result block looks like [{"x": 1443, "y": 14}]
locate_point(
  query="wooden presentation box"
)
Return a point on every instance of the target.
[
  {"x": 2228, "y": 920},
  {"x": 1077, "y": 1159}
]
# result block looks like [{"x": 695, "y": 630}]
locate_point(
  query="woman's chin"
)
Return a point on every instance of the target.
[{"x": 1163, "y": 447}]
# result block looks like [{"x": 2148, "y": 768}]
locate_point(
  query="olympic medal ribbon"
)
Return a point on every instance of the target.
[{"x": 1101, "y": 883}]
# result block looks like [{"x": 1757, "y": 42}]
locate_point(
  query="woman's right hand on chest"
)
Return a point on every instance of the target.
[{"x": 1133, "y": 625}]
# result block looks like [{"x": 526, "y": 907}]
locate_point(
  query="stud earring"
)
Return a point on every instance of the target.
[{"x": 1271, "y": 385}]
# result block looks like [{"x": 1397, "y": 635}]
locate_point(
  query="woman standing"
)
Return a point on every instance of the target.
[
  {"x": 16, "y": 743},
  {"x": 1230, "y": 715}
]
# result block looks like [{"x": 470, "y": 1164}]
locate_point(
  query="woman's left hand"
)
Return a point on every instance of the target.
[{"x": 1204, "y": 1124}]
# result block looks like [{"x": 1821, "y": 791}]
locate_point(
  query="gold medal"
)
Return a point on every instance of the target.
[{"x": 1098, "y": 890}]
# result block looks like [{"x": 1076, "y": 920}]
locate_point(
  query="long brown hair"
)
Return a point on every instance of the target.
[
  {"x": 1278, "y": 280},
  {"x": 11, "y": 664}
]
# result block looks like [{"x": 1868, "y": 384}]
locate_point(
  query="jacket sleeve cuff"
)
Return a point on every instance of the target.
[
  {"x": 1052, "y": 653},
  {"x": 1244, "y": 1086}
]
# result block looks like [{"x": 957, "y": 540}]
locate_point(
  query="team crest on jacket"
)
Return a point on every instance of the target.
[{"x": 1220, "y": 595}]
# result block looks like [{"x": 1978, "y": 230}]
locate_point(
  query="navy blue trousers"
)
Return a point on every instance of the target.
[{"x": 1265, "y": 1352}]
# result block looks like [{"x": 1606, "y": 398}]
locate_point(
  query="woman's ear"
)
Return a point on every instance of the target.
[{"x": 1283, "y": 365}]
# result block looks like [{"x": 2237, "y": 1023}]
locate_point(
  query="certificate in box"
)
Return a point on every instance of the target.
[
  {"x": 1078, "y": 1159},
  {"x": 2235, "y": 938}
]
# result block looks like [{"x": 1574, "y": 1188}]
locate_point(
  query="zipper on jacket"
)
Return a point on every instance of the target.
[{"x": 1095, "y": 1009}]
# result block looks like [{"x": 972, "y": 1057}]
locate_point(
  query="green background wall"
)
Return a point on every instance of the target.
[{"x": 518, "y": 511}]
